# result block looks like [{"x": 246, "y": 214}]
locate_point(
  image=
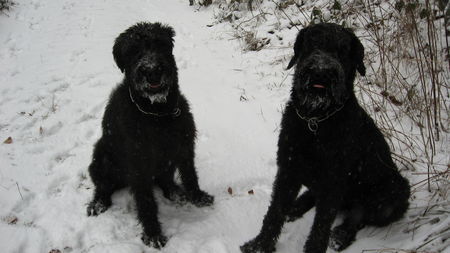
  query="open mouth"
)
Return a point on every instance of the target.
[
  {"x": 318, "y": 86},
  {"x": 154, "y": 85},
  {"x": 153, "y": 80},
  {"x": 316, "y": 82}
]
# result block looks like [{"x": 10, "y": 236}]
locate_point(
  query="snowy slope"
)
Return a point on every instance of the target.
[{"x": 56, "y": 72}]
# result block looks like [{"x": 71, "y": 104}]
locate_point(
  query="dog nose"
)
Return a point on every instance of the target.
[
  {"x": 316, "y": 74},
  {"x": 320, "y": 71},
  {"x": 319, "y": 68},
  {"x": 152, "y": 74}
]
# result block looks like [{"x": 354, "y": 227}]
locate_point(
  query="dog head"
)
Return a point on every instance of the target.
[
  {"x": 327, "y": 57},
  {"x": 144, "y": 53}
]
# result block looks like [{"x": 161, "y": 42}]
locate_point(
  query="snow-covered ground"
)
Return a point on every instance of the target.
[{"x": 56, "y": 72}]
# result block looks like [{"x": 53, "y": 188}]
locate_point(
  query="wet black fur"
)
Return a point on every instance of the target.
[
  {"x": 346, "y": 164},
  {"x": 140, "y": 150}
]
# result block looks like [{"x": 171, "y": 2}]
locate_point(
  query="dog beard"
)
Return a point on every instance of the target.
[
  {"x": 314, "y": 103},
  {"x": 157, "y": 97}
]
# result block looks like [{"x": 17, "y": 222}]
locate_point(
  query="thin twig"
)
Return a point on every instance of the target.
[{"x": 18, "y": 188}]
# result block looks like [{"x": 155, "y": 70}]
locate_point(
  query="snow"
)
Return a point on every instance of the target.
[{"x": 56, "y": 73}]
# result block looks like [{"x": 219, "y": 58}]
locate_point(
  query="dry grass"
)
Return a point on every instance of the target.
[
  {"x": 6, "y": 5},
  {"x": 410, "y": 78}
]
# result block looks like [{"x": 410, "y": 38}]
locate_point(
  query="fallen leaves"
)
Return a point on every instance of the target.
[
  {"x": 11, "y": 220},
  {"x": 8, "y": 140},
  {"x": 391, "y": 98},
  {"x": 230, "y": 191}
]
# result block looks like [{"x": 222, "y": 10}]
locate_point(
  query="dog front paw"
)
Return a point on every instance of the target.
[
  {"x": 257, "y": 246},
  {"x": 340, "y": 239},
  {"x": 97, "y": 207},
  {"x": 201, "y": 199},
  {"x": 155, "y": 241}
]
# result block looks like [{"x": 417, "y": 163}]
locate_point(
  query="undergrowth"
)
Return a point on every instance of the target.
[{"x": 5, "y": 6}]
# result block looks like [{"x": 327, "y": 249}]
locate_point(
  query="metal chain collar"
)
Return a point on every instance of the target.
[
  {"x": 313, "y": 122},
  {"x": 176, "y": 112}
]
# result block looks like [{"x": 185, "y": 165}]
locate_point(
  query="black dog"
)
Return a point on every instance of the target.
[
  {"x": 329, "y": 144},
  {"x": 148, "y": 131}
]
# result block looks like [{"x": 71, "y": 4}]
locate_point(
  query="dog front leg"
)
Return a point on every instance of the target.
[
  {"x": 285, "y": 190},
  {"x": 148, "y": 216},
  {"x": 326, "y": 209}
]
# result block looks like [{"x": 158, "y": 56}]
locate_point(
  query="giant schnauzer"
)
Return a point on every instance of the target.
[
  {"x": 330, "y": 145},
  {"x": 148, "y": 131}
]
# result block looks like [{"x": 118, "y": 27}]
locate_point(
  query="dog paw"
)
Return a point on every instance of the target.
[
  {"x": 257, "y": 246},
  {"x": 97, "y": 207},
  {"x": 340, "y": 239},
  {"x": 201, "y": 199},
  {"x": 156, "y": 241}
]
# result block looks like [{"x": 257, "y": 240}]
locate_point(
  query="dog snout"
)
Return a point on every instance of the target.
[
  {"x": 319, "y": 73},
  {"x": 151, "y": 73},
  {"x": 320, "y": 63}
]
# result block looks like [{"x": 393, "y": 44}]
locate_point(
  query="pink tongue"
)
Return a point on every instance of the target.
[
  {"x": 320, "y": 86},
  {"x": 155, "y": 85}
]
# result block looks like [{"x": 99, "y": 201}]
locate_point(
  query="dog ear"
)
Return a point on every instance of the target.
[
  {"x": 358, "y": 57},
  {"x": 297, "y": 46},
  {"x": 122, "y": 48},
  {"x": 167, "y": 31}
]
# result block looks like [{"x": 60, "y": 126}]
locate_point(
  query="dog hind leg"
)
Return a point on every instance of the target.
[
  {"x": 343, "y": 235},
  {"x": 389, "y": 204},
  {"x": 190, "y": 182},
  {"x": 102, "y": 170},
  {"x": 170, "y": 189}
]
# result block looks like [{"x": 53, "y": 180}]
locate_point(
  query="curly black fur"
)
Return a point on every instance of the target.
[
  {"x": 329, "y": 144},
  {"x": 148, "y": 131}
]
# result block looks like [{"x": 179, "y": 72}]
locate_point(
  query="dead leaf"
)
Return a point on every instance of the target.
[
  {"x": 55, "y": 251},
  {"x": 251, "y": 192},
  {"x": 9, "y": 140},
  {"x": 12, "y": 220},
  {"x": 41, "y": 130},
  {"x": 395, "y": 101},
  {"x": 230, "y": 191}
]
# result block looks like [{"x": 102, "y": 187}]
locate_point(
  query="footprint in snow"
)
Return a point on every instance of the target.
[
  {"x": 53, "y": 129},
  {"x": 213, "y": 245},
  {"x": 55, "y": 186}
]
